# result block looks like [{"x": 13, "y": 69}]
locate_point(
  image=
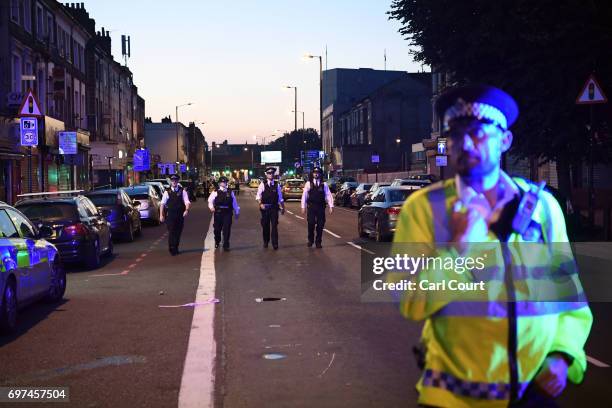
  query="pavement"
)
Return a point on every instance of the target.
[{"x": 290, "y": 329}]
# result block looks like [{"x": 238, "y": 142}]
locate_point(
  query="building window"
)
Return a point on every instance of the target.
[
  {"x": 27, "y": 15},
  {"x": 16, "y": 73},
  {"x": 39, "y": 23},
  {"x": 49, "y": 29},
  {"x": 15, "y": 5}
]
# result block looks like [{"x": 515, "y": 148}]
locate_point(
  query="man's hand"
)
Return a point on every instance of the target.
[
  {"x": 467, "y": 226},
  {"x": 185, "y": 213},
  {"x": 552, "y": 377},
  {"x": 331, "y": 210},
  {"x": 162, "y": 218},
  {"x": 303, "y": 211},
  {"x": 237, "y": 216},
  {"x": 212, "y": 210},
  {"x": 262, "y": 206},
  {"x": 282, "y": 210}
]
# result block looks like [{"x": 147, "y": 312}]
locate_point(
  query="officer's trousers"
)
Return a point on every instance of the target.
[
  {"x": 269, "y": 224},
  {"x": 222, "y": 223},
  {"x": 315, "y": 218},
  {"x": 174, "y": 223}
]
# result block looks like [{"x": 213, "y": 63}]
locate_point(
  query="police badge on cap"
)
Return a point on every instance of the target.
[
  {"x": 174, "y": 177},
  {"x": 483, "y": 102}
]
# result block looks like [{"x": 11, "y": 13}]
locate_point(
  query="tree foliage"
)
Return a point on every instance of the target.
[
  {"x": 295, "y": 141},
  {"x": 541, "y": 52}
]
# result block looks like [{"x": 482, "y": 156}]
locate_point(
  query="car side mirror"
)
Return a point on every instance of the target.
[{"x": 45, "y": 231}]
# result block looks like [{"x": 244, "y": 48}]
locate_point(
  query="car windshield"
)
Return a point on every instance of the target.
[
  {"x": 296, "y": 183},
  {"x": 399, "y": 195},
  {"x": 366, "y": 187},
  {"x": 140, "y": 196},
  {"x": 138, "y": 191},
  {"x": 101, "y": 200},
  {"x": 49, "y": 211}
]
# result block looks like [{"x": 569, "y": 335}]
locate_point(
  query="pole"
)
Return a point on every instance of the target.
[
  {"x": 591, "y": 199},
  {"x": 295, "y": 107},
  {"x": 110, "y": 178},
  {"x": 176, "y": 127},
  {"x": 303, "y": 120},
  {"x": 30, "y": 167},
  {"x": 320, "y": 96}
]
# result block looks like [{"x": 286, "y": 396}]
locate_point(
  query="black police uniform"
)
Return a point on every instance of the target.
[
  {"x": 315, "y": 204},
  {"x": 269, "y": 216},
  {"x": 224, "y": 208},
  {"x": 175, "y": 208}
]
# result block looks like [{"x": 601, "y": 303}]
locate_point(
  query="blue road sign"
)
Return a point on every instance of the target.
[
  {"x": 67, "y": 142},
  {"x": 142, "y": 161},
  {"x": 28, "y": 128}
]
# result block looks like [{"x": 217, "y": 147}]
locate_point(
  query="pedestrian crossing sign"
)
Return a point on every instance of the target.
[{"x": 591, "y": 93}]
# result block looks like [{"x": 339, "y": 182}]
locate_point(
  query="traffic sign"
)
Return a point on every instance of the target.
[
  {"x": 591, "y": 93},
  {"x": 441, "y": 161},
  {"x": 67, "y": 142},
  {"x": 30, "y": 106},
  {"x": 28, "y": 128},
  {"x": 142, "y": 161},
  {"x": 375, "y": 158},
  {"x": 442, "y": 146}
]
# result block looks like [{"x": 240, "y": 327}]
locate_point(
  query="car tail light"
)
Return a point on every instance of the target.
[
  {"x": 75, "y": 230},
  {"x": 287, "y": 188},
  {"x": 393, "y": 212}
]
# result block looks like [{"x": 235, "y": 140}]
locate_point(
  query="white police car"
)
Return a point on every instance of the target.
[{"x": 30, "y": 267}]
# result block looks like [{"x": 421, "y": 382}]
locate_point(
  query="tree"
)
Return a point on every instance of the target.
[
  {"x": 541, "y": 52},
  {"x": 297, "y": 140}
]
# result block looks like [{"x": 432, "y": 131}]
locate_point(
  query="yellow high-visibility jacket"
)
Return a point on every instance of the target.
[{"x": 478, "y": 352}]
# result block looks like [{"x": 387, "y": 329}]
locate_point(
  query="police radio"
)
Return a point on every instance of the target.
[{"x": 526, "y": 208}]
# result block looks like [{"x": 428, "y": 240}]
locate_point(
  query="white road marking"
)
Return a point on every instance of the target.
[
  {"x": 331, "y": 233},
  {"x": 329, "y": 365},
  {"x": 596, "y": 362},
  {"x": 360, "y": 248},
  {"x": 290, "y": 212},
  {"x": 300, "y": 217},
  {"x": 197, "y": 383}
]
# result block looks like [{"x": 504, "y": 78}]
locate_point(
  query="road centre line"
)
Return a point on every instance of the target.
[
  {"x": 290, "y": 212},
  {"x": 360, "y": 248},
  {"x": 300, "y": 217},
  {"x": 331, "y": 233},
  {"x": 596, "y": 362},
  {"x": 197, "y": 382}
]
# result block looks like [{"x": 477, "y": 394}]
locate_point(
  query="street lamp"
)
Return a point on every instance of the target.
[
  {"x": 176, "y": 126},
  {"x": 398, "y": 141},
  {"x": 295, "y": 103},
  {"x": 302, "y": 117},
  {"x": 320, "y": 90}
]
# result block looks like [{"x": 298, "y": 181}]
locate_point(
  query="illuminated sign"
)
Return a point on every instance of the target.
[
  {"x": 273, "y": 156},
  {"x": 67, "y": 142}
]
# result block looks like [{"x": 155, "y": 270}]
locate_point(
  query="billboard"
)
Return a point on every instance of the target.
[
  {"x": 272, "y": 156},
  {"x": 141, "y": 160},
  {"x": 67, "y": 142}
]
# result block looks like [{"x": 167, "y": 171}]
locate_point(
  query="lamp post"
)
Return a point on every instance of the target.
[
  {"x": 302, "y": 117},
  {"x": 176, "y": 126},
  {"x": 294, "y": 104},
  {"x": 320, "y": 91},
  {"x": 398, "y": 141}
]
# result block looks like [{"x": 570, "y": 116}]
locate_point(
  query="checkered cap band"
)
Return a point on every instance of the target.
[
  {"x": 463, "y": 109},
  {"x": 464, "y": 388}
]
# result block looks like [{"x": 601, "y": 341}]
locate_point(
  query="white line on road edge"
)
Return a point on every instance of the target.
[
  {"x": 290, "y": 212},
  {"x": 360, "y": 248},
  {"x": 197, "y": 383},
  {"x": 596, "y": 362},
  {"x": 331, "y": 233},
  {"x": 300, "y": 217}
]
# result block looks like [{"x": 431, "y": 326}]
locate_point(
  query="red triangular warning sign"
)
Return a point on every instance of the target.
[
  {"x": 591, "y": 93},
  {"x": 30, "y": 106}
]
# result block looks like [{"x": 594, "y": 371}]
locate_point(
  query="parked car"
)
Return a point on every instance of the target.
[
  {"x": 190, "y": 187},
  {"x": 80, "y": 232},
  {"x": 374, "y": 189},
  {"x": 379, "y": 215},
  {"x": 410, "y": 182},
  {"x": 343, "y": 196},
  {"x": 149, "y": 202},
  {"x": 124, "y": 217},
  {"x": 334, "y": 182},
  {"x": 293, "y": 189},
  {"x": 40, "y": 277},
  {"x": 431, "y": 177},
  {"x": 157, "y": 185},
  {"x": 165, "y": 181},
  {"x": 358, "y": 196},
  {"x": 254, "y": 183}
]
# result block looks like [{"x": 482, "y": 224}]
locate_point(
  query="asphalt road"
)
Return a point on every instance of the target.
[
  {"x": 109, "y": 341},
  {"x": 290, "y": 328}
]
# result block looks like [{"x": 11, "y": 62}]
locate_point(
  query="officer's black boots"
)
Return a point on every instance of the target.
[{"x": 309, "y": 244}]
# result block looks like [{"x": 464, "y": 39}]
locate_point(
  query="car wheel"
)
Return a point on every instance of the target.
[
  {"x": 139, "y": 230},
  {"x": 129, "y": 235},
  {"x": 58, "y": 282},
  {"x": 378, "y": 232},
  {"x": 8, "y": 309},
  {"x": 111, "y": 247},
  {"x": 93, "y": 260},
  {"x": 360, "y": 231}
]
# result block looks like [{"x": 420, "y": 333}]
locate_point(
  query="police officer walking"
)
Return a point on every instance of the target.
[
  {"x": 174, "y": 208},
  {"x": 270, "y": 198},
  {"x": 223, "y": 204},
  {"x": 316, "y": 194}
]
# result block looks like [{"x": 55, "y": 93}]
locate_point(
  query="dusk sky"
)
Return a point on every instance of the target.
[{"x": 232, "y": 58}]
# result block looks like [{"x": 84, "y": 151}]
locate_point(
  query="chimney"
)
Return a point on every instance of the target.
[{"x": 103, "y": 35}]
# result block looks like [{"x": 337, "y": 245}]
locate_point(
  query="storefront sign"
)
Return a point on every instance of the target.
[{"x": 67, "y": 142}]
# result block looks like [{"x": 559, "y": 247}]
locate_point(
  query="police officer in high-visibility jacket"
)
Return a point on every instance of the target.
[
  {"x": 270, "y": 199},
  {"x": 508, "y": 347},
  {"x": 314, "y": 198},
  {"x": 173, "y": 209},
  {"x": 222, "y": 203}
]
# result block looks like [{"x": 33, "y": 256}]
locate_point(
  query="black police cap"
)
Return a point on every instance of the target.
[
  {"x": 482, "y": 102},
  {"x": 174, "y": 177},
  {"x": 317, "y": 170},
  {"x": 223, "y": 179},
  {"x": 271, "y": 169}
]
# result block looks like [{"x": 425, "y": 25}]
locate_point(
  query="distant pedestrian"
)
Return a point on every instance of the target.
[
  {"x": 270, "y": 198},
  {"x": 174, "y": 208},
  {"x": 223, "y": 205},
  {"x": 314, "y": 199},
  {"x": 237, "y": 187}
]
